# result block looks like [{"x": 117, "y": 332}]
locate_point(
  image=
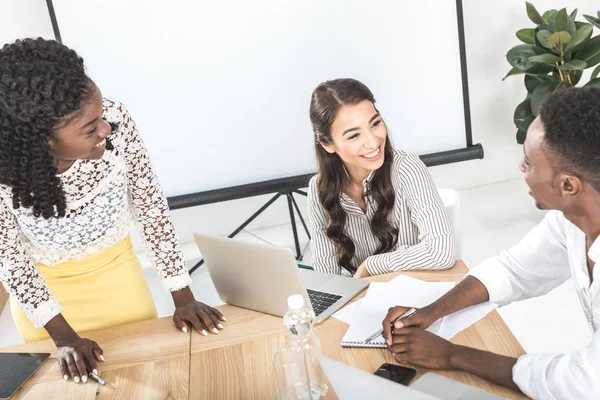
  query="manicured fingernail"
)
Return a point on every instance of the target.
[
  {"x": 398, "y": 325},
  {"x": 101, "y": 357},
  {"x": 215, "y": 330},
  {"x": 66, "y": 377},
  {"x": 219, "y": 326},
  {"x": 84, "y": 379},
  {"x": 76, "y": 379},
  {"x": 224, "y": 319},
  {"x": 204, "y": 332},
  {"x": 95, "y": 371},
  {"x": 184, "y": 329}
]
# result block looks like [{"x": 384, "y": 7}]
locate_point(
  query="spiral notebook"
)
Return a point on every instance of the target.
[{"x": 406, "y": 291}]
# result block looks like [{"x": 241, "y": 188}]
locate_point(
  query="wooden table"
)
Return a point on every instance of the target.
[
  {"x": 153, "y": 360},
  {"x": 144, "y": 360},
  {"x": 242, "y": 352}
]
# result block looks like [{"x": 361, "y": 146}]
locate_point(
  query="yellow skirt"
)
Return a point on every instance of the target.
[{"x": 104, "y": 289}]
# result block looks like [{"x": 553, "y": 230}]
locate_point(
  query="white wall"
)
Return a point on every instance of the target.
[
  {"x": 490, "y": 28},
  {"x": 24, "y": 18}
]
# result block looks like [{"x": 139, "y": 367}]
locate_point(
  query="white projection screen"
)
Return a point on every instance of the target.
[{"x": 220, "y": 90}]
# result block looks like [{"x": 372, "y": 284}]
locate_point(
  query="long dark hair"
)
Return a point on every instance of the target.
[
  {"x": 41, "y": 83},
  {"x": 326, "y": 101}
]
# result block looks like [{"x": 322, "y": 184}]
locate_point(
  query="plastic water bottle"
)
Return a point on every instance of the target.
[{"x": 299, "y": 320}]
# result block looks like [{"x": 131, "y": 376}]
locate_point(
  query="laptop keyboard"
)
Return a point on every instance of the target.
[{"x": 321, "y": 301}]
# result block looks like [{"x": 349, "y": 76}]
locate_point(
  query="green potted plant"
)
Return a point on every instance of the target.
[{"x": 553, "y": 55}]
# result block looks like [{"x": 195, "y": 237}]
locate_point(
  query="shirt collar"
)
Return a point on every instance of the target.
[
  {"x": 368, "y": 179},
  {"x": 594, "y": 251}
]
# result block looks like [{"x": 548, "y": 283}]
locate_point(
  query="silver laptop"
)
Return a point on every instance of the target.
[
  {"x": 352, "y": 383},
  {"x": 261, "y": 277}
]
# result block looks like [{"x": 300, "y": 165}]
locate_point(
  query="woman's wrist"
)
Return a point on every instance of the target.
[
  {"x": 60, "y": 331},
  {"x": 182, "y": 296}
]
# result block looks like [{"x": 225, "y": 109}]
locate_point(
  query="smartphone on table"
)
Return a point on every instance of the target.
[{"x": 396, "y": 373}]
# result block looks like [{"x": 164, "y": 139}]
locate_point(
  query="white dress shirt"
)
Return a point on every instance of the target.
[
  {"x": 425, "y": 238},
  {"x": 547, "y": 256}
]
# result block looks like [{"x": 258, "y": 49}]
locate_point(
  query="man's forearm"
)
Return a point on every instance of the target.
[
  {"x": 468, "y": 292},
  {"x": 489, "y": 366}
]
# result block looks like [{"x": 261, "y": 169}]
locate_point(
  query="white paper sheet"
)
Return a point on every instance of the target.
[{"x": 365, "y": 316}]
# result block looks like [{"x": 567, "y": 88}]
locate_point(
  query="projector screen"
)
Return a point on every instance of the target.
[{"x": 220, "y": 90}]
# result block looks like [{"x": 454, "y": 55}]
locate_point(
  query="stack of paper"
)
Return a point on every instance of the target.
[{"x": 365, "y": 316}]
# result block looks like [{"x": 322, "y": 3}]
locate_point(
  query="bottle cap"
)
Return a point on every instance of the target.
[{"x": 295, "y": 301}]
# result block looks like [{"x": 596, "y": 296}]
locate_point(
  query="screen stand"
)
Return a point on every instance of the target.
[{"x": 292, "y": 205}]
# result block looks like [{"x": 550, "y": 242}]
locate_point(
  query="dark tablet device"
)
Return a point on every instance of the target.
[{"x": 16, "y": 368}]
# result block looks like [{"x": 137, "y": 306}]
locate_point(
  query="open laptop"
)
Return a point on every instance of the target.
[
  {"x": 352, "y": 383},
  {"x": 261, "y": 277}
]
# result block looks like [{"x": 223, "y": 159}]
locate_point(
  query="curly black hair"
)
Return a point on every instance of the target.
[
  {"x": 41, "y": 83},
  {"x": 571, "y": 119}
]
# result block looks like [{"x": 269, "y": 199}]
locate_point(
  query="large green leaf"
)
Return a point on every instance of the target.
[
  {"x": 543, "y": 36},
  {"x": 582, "y": 34},
  {"x": 593, "y": 83},
  {"x": 519, "y": 55},
  {"x": 526, "y": 35},
  {"x": 541, "y": 92},
  {"x": 534, "y": 15},
  {"x": 512, "y": 72},
  {"x": 573, "y": 65},
  {"x": 545, "y": 59},
  {"x": 539, "y": 69},
  {"x": 562, "y": 21},
  {"x": 579, "y": 24},
  {"x": 593, "y": 20},
  {"x": 521, "y": 135},
  {"x": 589, "y": 52},
  {"x": 523, "y": 115},
  {"x": 596, "y": 72},
  {"x": 548, "y": 14},
  {"x": 533, "y": 81},
  {"x": 561, "y": 37}
]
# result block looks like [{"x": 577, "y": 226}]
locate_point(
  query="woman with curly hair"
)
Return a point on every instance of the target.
[
  {"x": 74, "y": 175},
  {"x": 373, "y": 209}
]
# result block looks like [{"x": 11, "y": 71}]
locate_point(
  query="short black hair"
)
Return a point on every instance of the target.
[
  {"x": 571, "y": 119},
  {"x": 41, "y": 82}
]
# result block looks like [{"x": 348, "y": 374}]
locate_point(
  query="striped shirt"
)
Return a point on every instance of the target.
[{"x": 425, "y": 239}]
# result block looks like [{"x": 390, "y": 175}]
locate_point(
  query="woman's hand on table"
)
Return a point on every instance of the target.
[
  {"x": 361, "y": 272},
  {"x": 201, "y": 316},
  {"x": 77, "y": 357}
]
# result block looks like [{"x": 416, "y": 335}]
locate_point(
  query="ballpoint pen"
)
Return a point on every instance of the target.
[
  {"x": 97, "y": 378},
  {"x": 407, "y": 314}
]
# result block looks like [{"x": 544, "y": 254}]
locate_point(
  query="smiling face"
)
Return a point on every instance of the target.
[
  {"x": 82, "y": 137},
  {"x": 358, "y": 137}
]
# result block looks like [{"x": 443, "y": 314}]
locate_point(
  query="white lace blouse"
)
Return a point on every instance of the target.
[{"x": 104, "y": 197}]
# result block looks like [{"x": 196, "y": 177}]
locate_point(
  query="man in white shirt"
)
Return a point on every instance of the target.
[{"x": 561, "y": 166}]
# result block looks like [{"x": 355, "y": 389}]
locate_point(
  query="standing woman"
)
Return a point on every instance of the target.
[
  {"x": 74, "y": 175},
  {"x": 373, "y": 209}
]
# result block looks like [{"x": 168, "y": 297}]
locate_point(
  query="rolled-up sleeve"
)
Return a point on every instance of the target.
[
  {"x": 563, "y": 376},
  {"x": 533, "y": 267}
]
